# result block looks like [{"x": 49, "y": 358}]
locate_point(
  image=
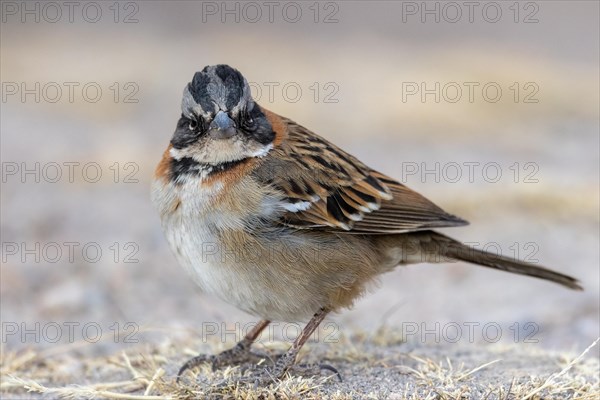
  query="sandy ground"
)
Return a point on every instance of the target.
[
  {"x": 378, "y": 365},
  {"x": 60, "y": 314}
]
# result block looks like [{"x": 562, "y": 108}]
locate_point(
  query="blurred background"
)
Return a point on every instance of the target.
[{"x": 490, "y": 110}]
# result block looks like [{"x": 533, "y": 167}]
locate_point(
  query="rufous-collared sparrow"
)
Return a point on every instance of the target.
[{"x": 283, "y": 224}]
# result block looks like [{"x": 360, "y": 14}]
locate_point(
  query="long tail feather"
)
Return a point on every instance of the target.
[{"x": 453, "y": 249}]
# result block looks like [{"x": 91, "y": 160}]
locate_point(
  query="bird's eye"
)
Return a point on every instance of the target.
[{"x": 193, "y": 125}]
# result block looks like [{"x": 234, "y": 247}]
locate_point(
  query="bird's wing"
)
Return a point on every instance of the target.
[{"x": 324, "y": 187}]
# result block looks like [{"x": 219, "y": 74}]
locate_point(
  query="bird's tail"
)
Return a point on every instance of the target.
[{"x": 433, "y": 242}]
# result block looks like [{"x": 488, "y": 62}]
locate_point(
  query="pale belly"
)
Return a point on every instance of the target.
[
  {"x": 265, "y": 280},
  {"x": 273, "y": 273}
]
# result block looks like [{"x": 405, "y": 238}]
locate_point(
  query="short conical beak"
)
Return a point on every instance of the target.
[{"x": 222, "y": 127}]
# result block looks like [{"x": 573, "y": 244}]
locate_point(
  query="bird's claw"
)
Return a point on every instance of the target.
[
  {"x": 237, "y": 355},
  {"x": 262, "y": 376}
]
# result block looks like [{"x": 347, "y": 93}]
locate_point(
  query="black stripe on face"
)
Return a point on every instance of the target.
[
  {"x": 220, "y": 85},
  {"x": 187, "y": 166},
  {"x": 233, "y": 81},
  {"x": 183, "y": 135},
  {"x": 198, "y": 88},
  {"x": 263, "y": 131},
  {"x": 183, "y": 167}
]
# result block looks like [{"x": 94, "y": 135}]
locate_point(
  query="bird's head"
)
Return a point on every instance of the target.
[{"x": 220, "y": 122}]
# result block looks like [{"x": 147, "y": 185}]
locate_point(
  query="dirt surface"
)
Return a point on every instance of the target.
[{"x": 377, "y": 366}]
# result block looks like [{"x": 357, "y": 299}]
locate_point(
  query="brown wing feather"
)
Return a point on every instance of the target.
[
  {"x": 327, "y": 188},
  {"x": 407, "y": 211}
]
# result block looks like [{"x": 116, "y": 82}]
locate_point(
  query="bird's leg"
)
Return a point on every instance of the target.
[
  {"x": 287, "y": 360},
  {"x": 238, "y": 354}
]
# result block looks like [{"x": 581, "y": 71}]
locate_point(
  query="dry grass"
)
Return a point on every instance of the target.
[{"x": 374, "y": 367}]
